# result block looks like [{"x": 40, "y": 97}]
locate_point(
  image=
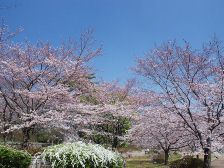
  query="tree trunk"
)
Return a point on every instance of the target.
[
  {"x": 4, "y": 138},
  {"x": 207, "y": 154},
  {"x": 4, "y": 125},
  {"x": 166, "y": 156},
  {"x": 26, "y": 137},
  {"x": 115, "y": 142}
]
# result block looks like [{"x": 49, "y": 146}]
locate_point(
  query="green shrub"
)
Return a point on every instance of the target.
[
  {"x": 81, "y": 155},
  {"x": 187, "y": 162},
  {"x": 11, "y": 158},
  {"x": 159, "y": 158},
  {"x": 49, "y": 136},
  {"x": 100, "y": 138}
]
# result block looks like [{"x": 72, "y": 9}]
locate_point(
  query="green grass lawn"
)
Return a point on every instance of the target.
[{"x": 144, "y": 162}]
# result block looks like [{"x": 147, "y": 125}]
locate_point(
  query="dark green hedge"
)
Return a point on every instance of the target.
[
  {"x": 187, "y": 162},
  {"x": 11, "y": 158}
]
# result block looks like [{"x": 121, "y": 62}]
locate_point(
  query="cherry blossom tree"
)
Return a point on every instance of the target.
[
  {"x": 190, "y": 82},
  {"x": 44, "y": 86},
  {"x": 41, "y": 85},
  {"x": 158, "y": 127}
]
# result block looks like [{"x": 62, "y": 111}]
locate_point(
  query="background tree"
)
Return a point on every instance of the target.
[
  {"x": 117, "y": 108},
  {"x": 110, "y": 132}
]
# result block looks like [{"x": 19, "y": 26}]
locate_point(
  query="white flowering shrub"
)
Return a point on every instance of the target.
[{"x": 81, "y": 155}]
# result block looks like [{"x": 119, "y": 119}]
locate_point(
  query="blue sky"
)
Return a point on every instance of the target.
[{"x": 125, "y": 28}]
